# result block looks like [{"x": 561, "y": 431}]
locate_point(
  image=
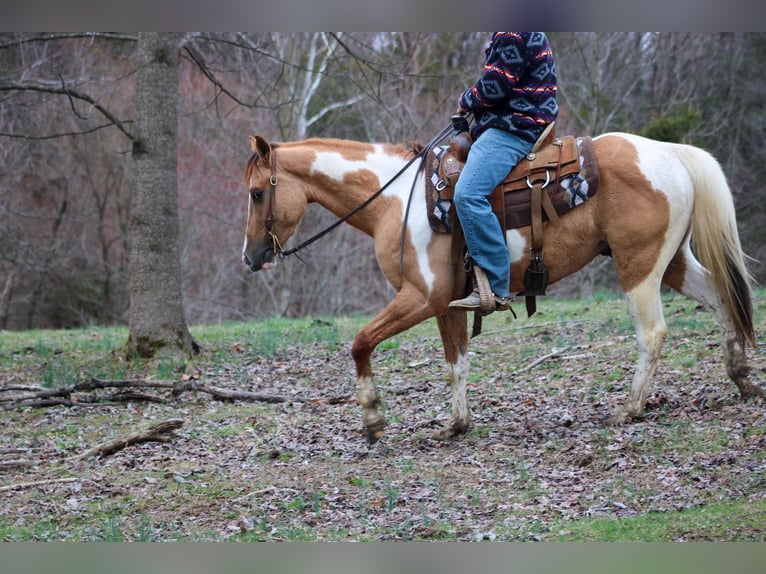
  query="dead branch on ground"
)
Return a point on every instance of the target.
[
  {"x": 156, "y": 433},
  {"x": 557, "y": 352},
  {"x": 36, "y": 483},
  {"x": 62, "y": 396}
]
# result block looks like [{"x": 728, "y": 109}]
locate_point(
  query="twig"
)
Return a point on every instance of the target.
[
  {"x": 128, "y": 396},
  {"x": 537, "y": 361},
  {"x": 557, "y": 352},
  {"x": 230, "y": 394},
  {"x": 154, "y": 433},
  {"x": 4, "y": 451},
  {"x": 253, "y": 493},
  {"x": 15, "y": 462},
  {"x": 36, "y": 483},
  {"x": 516, "y": 327},
  {"x": 69, "y": 92}
]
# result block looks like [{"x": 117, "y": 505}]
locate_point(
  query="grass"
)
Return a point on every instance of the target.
[
  {"x": 535, "y": 464},
  {"x": 732, "y": 521}
]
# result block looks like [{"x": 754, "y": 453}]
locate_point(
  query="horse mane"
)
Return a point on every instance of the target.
[
  {"x": 251, "y": 167},
  {"x": 415, "y": 147}
]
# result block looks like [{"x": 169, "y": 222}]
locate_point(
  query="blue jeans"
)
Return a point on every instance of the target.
[{"x": 492, "y": 156}]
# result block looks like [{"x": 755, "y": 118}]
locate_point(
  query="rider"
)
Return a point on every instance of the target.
[{"x": 512, "y": 103}]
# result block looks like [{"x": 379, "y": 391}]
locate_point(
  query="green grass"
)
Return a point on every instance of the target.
[
  {"x": 406, "y": 487},
  {"x": 732, "y": 521}
]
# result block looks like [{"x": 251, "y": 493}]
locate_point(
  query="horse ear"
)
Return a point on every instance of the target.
[{"x": 260, "y": 146}]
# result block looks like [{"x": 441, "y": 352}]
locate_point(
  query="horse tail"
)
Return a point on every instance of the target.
[{"x": 715, "y": 238}]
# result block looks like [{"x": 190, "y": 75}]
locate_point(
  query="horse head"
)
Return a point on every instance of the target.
[{"x": 275, "y": 207}]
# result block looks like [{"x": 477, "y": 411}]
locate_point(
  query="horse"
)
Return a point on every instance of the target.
[{"x": 656, "y": 201}]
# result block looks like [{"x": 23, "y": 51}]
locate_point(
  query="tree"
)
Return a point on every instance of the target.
[{"x": 157, "y": 321}]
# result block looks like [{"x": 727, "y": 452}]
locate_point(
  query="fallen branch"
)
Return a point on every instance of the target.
[
  {"x": 36, "y": 483},
  {"x": 231, "y": 395},
  {"x": 40, "y": 403},
  {"x": 15, "y": 450},
  {"x": 155, "y": 433},
  {"x": 556, "y": 352},
  {"x": 533, "y": 364},
  {"x": 236, "y": 395},
  {"x": 62, "y": 396},
  {"x": 14, "y": 463}
]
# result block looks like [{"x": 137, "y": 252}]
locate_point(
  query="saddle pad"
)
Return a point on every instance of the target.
[{"x": 438, "y": 197}]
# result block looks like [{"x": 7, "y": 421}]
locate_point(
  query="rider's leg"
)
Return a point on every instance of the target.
[{"x": 490, "y": 159}]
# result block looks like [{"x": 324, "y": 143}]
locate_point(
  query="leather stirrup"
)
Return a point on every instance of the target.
[{"x": 486, "y": 297}]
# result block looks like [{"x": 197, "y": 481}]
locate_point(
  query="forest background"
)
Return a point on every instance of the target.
[{"x": 66, "y": 172}]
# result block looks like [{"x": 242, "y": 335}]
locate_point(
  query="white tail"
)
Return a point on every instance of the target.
[{"x": 715, "y": 237}]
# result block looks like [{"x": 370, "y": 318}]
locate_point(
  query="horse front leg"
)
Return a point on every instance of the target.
[
  {"x": 366, "y": 393},
  {"x": 454, "y": 334},
  {"x": 406, "y": 310}
]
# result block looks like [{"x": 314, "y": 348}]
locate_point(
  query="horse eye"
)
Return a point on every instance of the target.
[{"x": 256, "y": 195}]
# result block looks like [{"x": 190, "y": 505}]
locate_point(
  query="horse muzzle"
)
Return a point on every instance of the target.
[{"x": 261, "y": 257}]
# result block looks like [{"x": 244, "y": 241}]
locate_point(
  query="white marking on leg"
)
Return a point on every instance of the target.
[
  {"x": 458, "y": 378},
  {"x": 698, "y": 284},
  {"x": 646, "y": 309},
  {"x": 366, "y": 393}
]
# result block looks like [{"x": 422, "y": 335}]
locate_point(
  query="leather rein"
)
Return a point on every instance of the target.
[{"x": 273, "y": 180}]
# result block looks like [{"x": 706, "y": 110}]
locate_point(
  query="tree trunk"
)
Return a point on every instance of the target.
[{"x": 157, "y": 322}]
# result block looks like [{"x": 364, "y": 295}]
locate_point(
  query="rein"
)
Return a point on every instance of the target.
[{"x": 422, "y": 154}]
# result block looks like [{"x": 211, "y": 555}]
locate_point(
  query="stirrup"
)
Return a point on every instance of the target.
[
  {"x": 472, "y": 302},
  {"x": 486, "y": 297}
]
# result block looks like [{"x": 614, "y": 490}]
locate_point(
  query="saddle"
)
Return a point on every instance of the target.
[{"x": 557, "y": 175}]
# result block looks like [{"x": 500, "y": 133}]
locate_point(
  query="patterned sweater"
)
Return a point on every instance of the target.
[{"x": 517, "y": 89}]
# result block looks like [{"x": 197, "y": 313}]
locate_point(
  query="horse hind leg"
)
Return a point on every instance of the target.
[
  {"x": 454, "y": 335},
  {"x": 645, "y": 306},
  {"x": 687, "y": 276}
]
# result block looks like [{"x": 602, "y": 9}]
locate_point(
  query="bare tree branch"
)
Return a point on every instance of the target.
[
  {"x": 67, "y": 36},
  {"x": 157, "y": 433},
  {"x": 60, "y": 134},
  {"x": 219, "y": 87},
  {"x": 64, "y": 91}
]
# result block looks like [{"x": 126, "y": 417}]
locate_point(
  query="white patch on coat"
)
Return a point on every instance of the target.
[
  {"x": 517, "y": 245},
  {"x": 659, "y": 163},
  {"x": 385, "y": 166}
]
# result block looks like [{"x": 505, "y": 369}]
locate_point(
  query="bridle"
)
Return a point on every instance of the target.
[
  {"x": 275, "y": 244},
  {"x": 273, "y": 180}
]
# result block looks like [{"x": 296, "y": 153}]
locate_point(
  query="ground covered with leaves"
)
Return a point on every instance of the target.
[{"x": 537, "y": 463}]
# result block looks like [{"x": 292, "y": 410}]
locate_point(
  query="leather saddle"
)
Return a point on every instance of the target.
[{"x": 557, "y": 175}]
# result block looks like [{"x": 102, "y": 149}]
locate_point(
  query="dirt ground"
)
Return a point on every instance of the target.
[{"x": 536, "y": 460}]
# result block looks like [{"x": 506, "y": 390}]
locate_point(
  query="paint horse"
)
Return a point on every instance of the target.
[{"x": 654, "y": 199}]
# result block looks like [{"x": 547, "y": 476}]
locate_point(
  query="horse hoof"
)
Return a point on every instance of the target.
[{"x": 374, "y": 431}]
